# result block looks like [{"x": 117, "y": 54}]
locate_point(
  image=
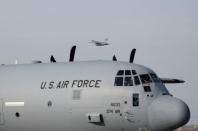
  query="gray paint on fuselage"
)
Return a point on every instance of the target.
[{"x": 22, "y": 83}]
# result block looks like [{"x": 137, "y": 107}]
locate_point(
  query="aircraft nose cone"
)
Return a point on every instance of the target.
[{"x": 167, "y": 113}]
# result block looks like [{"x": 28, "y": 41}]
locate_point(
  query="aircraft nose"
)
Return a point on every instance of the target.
[{"x": 167, "y": 113}]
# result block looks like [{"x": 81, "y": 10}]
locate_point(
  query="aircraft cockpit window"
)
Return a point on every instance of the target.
[
  {"x": 136, "y": 80},
  {"x": 123, "y": 78},
  {"x": 154, "y": 77},
  {"x": 134, "y": 72},
  {"x": 127, "y": 72},
  {"x": 147, "y": 88},
  {"x": 145, "y": 78},
  {"x": 118, "y": 81},
  {"x": 128, "y": 81},
  {"x": 120, "y": 72}
]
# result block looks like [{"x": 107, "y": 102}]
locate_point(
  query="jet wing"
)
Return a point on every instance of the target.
[
  {"x": 171, "y": 81},
  {"x": 98, "y": 44}
]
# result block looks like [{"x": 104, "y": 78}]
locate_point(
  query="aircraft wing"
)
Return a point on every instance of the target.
[
  {"x": 171, "y": 81},
  {"x": 98, "y": 44}
]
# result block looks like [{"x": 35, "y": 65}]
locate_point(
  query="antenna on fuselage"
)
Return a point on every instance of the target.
[
  {"x": 52, "y": 59},
  {"x": 132, "y": 56},
  {"x": 72, "y": 54}
]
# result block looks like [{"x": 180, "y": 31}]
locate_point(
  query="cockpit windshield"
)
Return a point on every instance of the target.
[{"x": 132, "y": 78}]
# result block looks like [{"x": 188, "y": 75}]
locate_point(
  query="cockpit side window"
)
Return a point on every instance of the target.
[
  {"x": 154, "y": 77},
  {"x": 147, "y": 88},
  {"x": 145, "y": 78},
  {"x": 118, "y": 81}
]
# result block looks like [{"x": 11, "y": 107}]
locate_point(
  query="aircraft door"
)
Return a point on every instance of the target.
[
  {"x": 128, "y": 113},
  {"x": 1, "y": 113},
  {"x": 132, "y": 111}
]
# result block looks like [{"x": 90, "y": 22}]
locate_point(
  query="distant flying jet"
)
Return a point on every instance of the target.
[{"x": 100, "y": 43}]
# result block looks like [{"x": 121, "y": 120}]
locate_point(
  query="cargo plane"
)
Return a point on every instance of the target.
[{"x": 88, "y": 96}]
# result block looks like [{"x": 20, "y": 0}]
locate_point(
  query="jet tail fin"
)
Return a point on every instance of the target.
[{"x": 106, "y": 39}]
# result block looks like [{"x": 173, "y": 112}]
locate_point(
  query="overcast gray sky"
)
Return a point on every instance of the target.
[{"x": 165, "y": 34}]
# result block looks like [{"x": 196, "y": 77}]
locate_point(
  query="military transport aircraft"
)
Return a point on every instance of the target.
[
  {"x": 87, "y": 96},
  {"x": 99, "y": 43}
]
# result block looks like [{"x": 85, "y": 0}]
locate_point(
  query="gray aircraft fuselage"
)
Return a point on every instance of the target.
[{"x": 86, "y": 96}]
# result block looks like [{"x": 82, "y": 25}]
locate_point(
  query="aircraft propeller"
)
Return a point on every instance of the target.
[
  {"x": 114, "y": 58},
  {"x": 132, "y": 55},
  {"x": 73, "y": 50},
  {"x": 71, "y": 58},
  {"x": 72, "y": 54},
  {"x": 52, "y": 59}
]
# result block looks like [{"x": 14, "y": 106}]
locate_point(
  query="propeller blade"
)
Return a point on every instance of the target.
[
  {"x": 114, "y": 58},
  {"x": 132, "y": 55},
  {"x": 72, "y": 54},
  {"x": 52, "y": 59}
]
